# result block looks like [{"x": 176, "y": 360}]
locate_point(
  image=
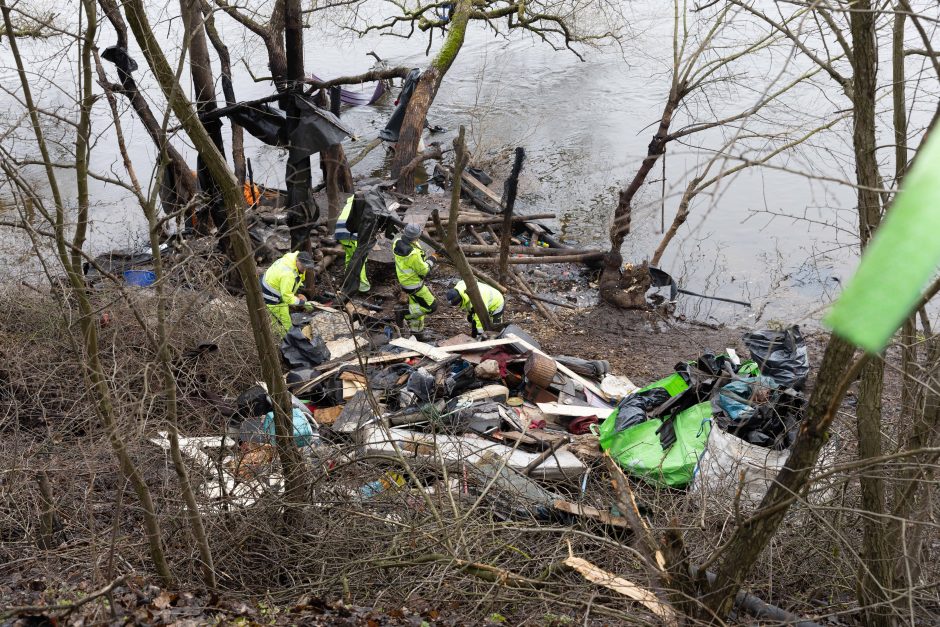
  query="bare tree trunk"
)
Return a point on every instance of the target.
[
  {"x": 875, "y": 577},
  {"x": 453, "y": 246},
  {"x": 204, "y": 86},
  {"x": 228, "y": 90},
  {"x": 179, "y": 188},
  {"x": 297, "y": 176},
  {"x": 412, "y": 127},
  {"x": 289, "y": 456},
  {"x": 610, "y": 288},
  {"x": 509, "y": 202}
]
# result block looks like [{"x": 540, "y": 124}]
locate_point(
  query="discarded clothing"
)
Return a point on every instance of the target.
[{"x": 595, "y": 368}]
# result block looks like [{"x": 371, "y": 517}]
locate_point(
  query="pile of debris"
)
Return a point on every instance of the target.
[{"x": 503, "y": 411}]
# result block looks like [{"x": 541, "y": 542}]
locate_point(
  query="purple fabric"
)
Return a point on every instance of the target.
[{"x": 358, "y": 98}]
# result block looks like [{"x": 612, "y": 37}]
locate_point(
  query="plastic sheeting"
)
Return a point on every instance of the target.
[
  {"x": 393, "y": 128},
  {"x": 317, "y": 129},
  {"x": 300, "y": 352}
]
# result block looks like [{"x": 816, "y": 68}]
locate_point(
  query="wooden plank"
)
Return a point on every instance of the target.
[
  {"x": 479, "y": 346},
  {"x": 467, "y": 179},
  {"x": 563, "y": 368},
  {"x": 433, "y": 352},
  {"x": 575, "y": 411},
  {"x": 587, "y": 511},
  {"x": 623, "y": 586},
  {"x": 417, "y": 215}
]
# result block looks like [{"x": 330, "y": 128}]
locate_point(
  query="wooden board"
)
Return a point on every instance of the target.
[
  {"x": 435, "y": 353},
  {"x": 587, "y": 511},
  {"x": 575, "y": 411},
  {"x": 417, "y": 215}
]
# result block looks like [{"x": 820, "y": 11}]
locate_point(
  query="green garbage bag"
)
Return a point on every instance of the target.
[{"x": 639, "y": 452}]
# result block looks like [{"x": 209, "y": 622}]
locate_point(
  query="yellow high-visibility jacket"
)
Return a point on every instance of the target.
[
  {"x": 492, "y": 298},
  {"x": 281, "y": 281},
  {"x": 411, "y": 267},
  {"x": 342, "y": 231}
]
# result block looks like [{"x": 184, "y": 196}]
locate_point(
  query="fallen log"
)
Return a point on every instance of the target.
[
  {"x": 578, "y": 258},
  {"x": 483, "y": 219},
  {"x": 527, "y": 250}
]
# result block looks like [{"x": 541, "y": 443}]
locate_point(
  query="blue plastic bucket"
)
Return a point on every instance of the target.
[{"x": 140, "y": 278}]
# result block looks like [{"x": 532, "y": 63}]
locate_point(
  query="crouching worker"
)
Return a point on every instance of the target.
[
  {"x": 279, "y": 287},
  {"x": 493, "y": 299},
  {"x": 412, "y": 266},
  {"x": 346, "y": 233}
]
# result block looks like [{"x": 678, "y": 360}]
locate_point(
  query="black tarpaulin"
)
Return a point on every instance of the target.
[{"x": 316, "y": 130}]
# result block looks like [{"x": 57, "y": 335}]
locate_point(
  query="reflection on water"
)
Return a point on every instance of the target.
[{"x": 585, "y": 127}]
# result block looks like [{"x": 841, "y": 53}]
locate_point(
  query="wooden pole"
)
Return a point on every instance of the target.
[{"x": 509, "y": 200}]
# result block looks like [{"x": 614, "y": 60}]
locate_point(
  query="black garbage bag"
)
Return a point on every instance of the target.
[
  {"x": 393, "y": 128},
  {"x": 387, "y": 378},
  {"x": 759, "y": 411},
  {"x": 301, "y": 375},
  {"x": 326, "y": 393},
  {"x": 369, "y": 216},
  {"x": 780, "y": 355},
  {"x": 633, "y": 408},
  {"x": 252, "y": 403},
  {"x": 124, "y": 62},
  {"x": 299, "y": 352},
  {"x": 480, "y": 175}
]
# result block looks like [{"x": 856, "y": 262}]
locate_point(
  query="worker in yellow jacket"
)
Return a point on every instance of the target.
[
  {"x": 279, "y": 287},
  {"x": 347, "y": 236},
  {"x": 412, "y": 265},
  {"x": 492, "y": 298}
]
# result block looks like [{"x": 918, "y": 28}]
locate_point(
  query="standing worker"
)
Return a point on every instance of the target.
[
  {"x": 411, "y": 267},
  {"x": 492, "y": 298},
  {"x": 279, "y": 286},
  {"x": 346, "y": 233}
]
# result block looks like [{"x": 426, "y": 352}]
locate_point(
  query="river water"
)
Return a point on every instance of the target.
[{"x": 779, "y": 239}]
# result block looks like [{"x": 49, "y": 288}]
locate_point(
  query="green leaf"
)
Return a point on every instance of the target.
[{"x": 900, "y": 260}]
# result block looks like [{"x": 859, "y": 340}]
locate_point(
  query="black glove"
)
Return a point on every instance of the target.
[{"x": 473, "y": 331}]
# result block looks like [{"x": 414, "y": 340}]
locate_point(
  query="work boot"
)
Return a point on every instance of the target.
[{"x": 427, "y": 335}]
